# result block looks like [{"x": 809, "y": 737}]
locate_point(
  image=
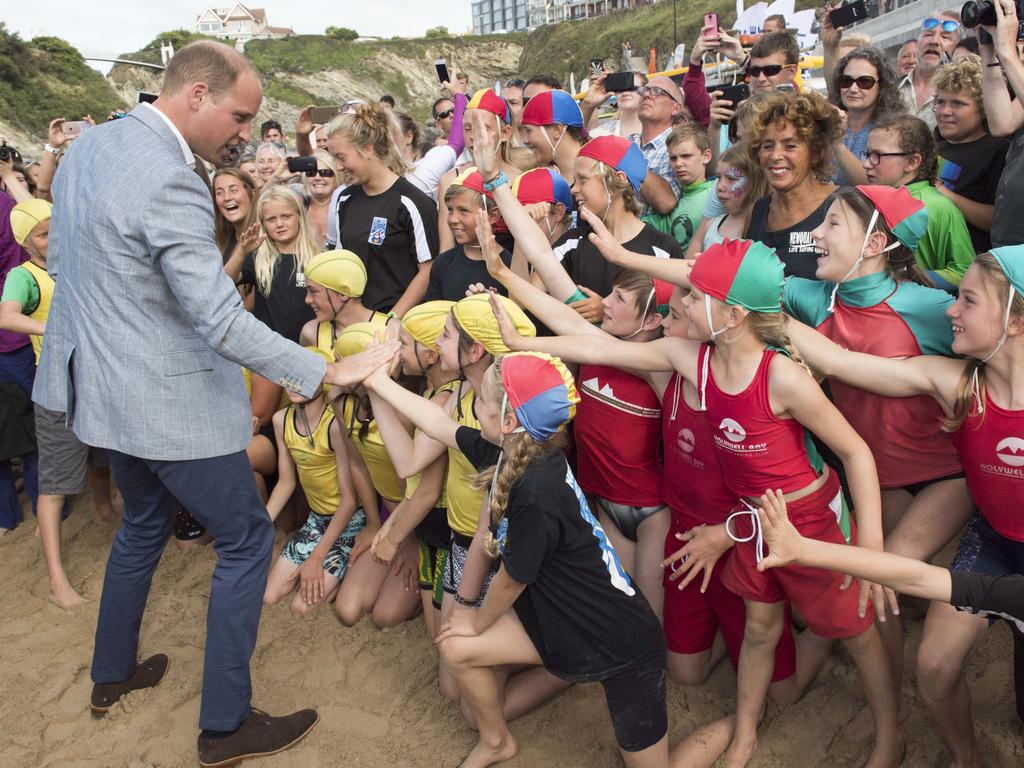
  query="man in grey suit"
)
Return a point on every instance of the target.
[{"x": 143, "y": 346}]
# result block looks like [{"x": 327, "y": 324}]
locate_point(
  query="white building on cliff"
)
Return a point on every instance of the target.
[{"x": 238, "y": 23}]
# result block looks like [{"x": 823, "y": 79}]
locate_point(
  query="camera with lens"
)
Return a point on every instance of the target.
[
  {"x": 9, "y": 153},
  {"x": 982, "y": 12}
]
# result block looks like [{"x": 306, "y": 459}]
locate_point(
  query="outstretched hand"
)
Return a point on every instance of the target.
[
  {"x": 252, "y": 238},
  {"x": 604, "y": 240},
  {"x": 485, "y": 144},
  {"x": 355, "y": 368},
  {"x": 506, "y": 327},
  {"x": 591, "y": 308},
  {"x": 783, "y": 540},
  {"x": 489, "y": 249}
]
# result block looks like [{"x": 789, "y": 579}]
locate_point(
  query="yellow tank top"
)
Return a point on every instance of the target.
[
  {"x": 463, "y": 499},
  {"x": 315, "y": 461},
  {"x": 42, "y": 310},
  {"x": 327, "y": 334},
  {"x": 414, "y": 482},
  {"x": 371, "y": 447}
]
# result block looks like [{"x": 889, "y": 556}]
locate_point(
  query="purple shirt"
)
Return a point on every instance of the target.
[{"x": 11, "y": 255}]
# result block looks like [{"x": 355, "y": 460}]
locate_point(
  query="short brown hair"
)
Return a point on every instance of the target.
[
  {"x": 815, "y": 120},
  {"x": 776, "y": 42},
  {"x": 206, "y": 61},
  {"x": 689, "y": 131},
  {"x": 914, "y": 136}
]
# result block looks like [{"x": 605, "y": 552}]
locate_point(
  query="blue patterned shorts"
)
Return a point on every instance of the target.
[{"x": 302, "y": 543}]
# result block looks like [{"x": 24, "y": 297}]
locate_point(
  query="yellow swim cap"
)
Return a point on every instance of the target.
[
  {"x": 477, "y": 319},
  {"x": 341, "y": 271},
  {"x": 25, "y": 216},
  {"x": 425, "y": 322},
  {"x": 357, "y": 337}
]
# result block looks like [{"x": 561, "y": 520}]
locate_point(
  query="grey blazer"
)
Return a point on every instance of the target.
[{"x": 146, "y": 333}]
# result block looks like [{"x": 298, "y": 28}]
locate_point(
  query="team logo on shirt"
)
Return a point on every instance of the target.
[
  {"x": 378, "y": 230},
  {"x": 1010, "y": 451},
  {"x": 300, "y": 279},
  {"x": 801, "y": 242},
  {"x": 733, "y": 430},
  {"x": 686, "y": 441}
]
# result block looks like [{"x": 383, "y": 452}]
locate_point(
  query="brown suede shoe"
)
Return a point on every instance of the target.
[
  {"x": 258, "y": 736},
  {"x": 147, "y": 674}
]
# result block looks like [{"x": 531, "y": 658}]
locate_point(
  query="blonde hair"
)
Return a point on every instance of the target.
[
  {"x": 770, "y": 328},
  {"x": 269, "y": 148},
  {"x": 375, "y": 126},
  {"x": 323, "y": 157},
  {"x": 268, "y": 253},
  {"x": 519, "y": 452},
  {"x": 617, "y": 186},
  {"x": 962, "y": 76},
  {"x": 965, "y": 389}
]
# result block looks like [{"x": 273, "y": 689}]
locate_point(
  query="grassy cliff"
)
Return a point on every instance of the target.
[{"x": 44, "y": 78}]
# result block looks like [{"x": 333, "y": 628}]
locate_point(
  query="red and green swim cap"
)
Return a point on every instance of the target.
[{"x": 746, "y": 273}]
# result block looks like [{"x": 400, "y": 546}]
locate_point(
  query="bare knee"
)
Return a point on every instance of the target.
[
  {"x": 688, "y": 671},
  {"x": 349, "y": 611},
  {"x": 390, "y": 615},
  {"x": 762, "y": 631},
  {"x": 937, "y": 673}
]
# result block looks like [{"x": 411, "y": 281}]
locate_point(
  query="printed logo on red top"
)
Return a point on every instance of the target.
[
  {"x": 1010, "y": 451},
  {"x": 733, "y": 431},
  {"x": 686, "y": 440}
]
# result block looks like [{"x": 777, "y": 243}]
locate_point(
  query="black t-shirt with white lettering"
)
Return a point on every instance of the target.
[
  {"x": 972, "y": 169},
  {"x": 284, "y": 308},
  {"x": 393, "y": 233},
  {"x": 453, "y": 272},
  {"x": 793, "y": 245},
  {"x": 583, "y": 612},
  {"x": 587, "y": 267}
]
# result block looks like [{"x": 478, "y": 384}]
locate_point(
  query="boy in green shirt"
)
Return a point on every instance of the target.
[{"x": 689, "y": 152}]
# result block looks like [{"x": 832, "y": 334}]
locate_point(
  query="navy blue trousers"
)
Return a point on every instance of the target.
[
  {"x": 19, "y": 367},
  {"x": 221, "y": 493}
]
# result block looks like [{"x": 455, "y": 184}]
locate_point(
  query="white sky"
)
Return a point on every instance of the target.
[{"x": 118, "y": 26}]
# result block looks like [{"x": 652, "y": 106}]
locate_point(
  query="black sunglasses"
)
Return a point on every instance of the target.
[
  {"x": 447, "y": 113},
  {"x": 323, "y": 173},
  {"x": 864, "y": 82},
  {"x": 769, "y": 70}
]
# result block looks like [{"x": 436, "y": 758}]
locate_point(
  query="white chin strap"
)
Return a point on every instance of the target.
[
  {"x": 501, "y": 442},
  {"x": 860, "y": 259},
  {"x": 755, "y": 534},
  {"x": 707, "y": 357},
  {"x": 643, "y": 316},
  {"x": 975, "y": 386},
  {"x": 554, "y": 147}
]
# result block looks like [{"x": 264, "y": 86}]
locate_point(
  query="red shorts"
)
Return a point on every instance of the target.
[
  {"x": 692, "y": 619},
  {"x": 814, "y": 592}
]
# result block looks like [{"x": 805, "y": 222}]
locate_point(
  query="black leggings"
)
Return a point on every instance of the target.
[{"x": 636, "y": 701}]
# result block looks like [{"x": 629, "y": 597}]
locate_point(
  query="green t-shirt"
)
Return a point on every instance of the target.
[
  {"x": 946, "y": 248},
  {"x": 21, "y": 287},
  {"x": 686, "y": 216}
]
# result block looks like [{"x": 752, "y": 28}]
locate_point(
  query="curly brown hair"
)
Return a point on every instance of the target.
[
  {"x": 962, "y": 76},
  {"x": 889, "y": 99},
  {"x": 815, "y": 120}
]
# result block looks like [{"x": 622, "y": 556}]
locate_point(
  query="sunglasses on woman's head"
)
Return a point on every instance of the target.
[
  {"x": 864, "y": 82},
  {"x": 948, "y": 25},
  {"x": 323, "y": 173},
  {"x": 769, "y": 70},
  {"x": 447, "y": 113}
]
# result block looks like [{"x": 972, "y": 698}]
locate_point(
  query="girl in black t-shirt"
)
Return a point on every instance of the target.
[
  {"x": 560, "y": 597},
  {"x": 382, "y": 217},
  {"x": 276, "y": 269}
]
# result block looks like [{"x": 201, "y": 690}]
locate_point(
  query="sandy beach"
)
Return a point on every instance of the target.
[{"x": 376, "y": 691}]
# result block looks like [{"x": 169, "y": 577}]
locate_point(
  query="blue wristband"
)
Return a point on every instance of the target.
[{"x": 497, "y": 181}]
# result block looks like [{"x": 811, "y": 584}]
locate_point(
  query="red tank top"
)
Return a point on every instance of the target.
[
  {"x": 991, "y": 448},
  {"x": 618, "y": 428},
  {"x": 757, "y": 449},
  {"x": 904, "y": 433},
  {"x": 693, "y": 481}
]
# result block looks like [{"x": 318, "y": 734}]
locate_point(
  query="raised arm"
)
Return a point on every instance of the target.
[
  {"x": 930, "y": 375},
  {"x": 675, "y": 271},
  {"x": 903, "y": 574},
  {"x": 432, "y": 419},
  {"x": 1005, "y": 115}
]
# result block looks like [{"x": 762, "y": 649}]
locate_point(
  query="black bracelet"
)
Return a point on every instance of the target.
[
  {"x": 994, "y": 64},
  {"x": 467, "y": 603}
]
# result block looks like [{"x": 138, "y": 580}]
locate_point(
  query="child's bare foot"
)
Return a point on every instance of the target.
[
  {"x": 888, "y": 755},
  {"x": 740, "y": 753},
  {"x": 945, "y": 759},
  {"x": 485, "y": 754},
  {"x": 64, "y": 596},
  {"x": 862, "y": 726}
]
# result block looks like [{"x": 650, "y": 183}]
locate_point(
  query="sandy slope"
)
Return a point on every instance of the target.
[{"x": 376, "y": 691}]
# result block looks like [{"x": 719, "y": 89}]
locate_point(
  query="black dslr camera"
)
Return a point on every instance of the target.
[
  {"x": 982, "y": 12},
  {"x": 9, "y": 153}
]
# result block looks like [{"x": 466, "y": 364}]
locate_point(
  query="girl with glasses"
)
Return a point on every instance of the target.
[{"x": 864, "y": 87}]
